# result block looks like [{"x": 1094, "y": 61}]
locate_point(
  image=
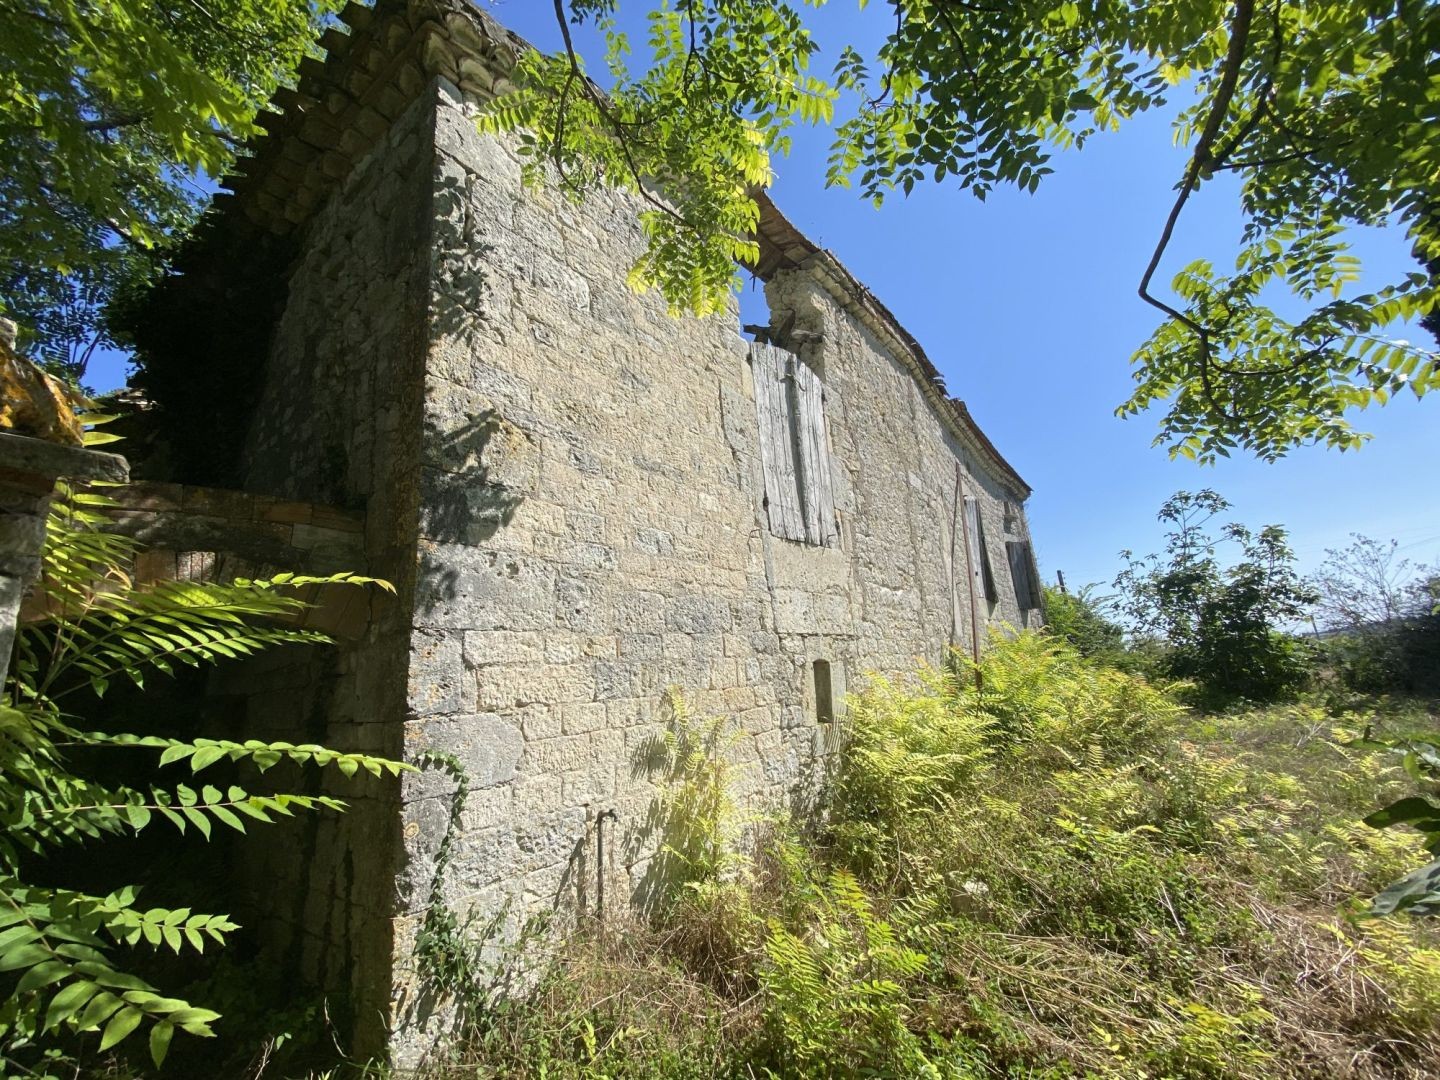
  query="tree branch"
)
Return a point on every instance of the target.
[
  {"x": 597, "y": 98},
  {"x": 1201, "y": 161},
  {"x": 113, "y": 123}
]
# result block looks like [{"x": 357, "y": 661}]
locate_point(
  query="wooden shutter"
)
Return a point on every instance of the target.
[
  {"x": 1037, "y": 589},
  {"x": 1028, "y": 593},
  {"x": 817, "y": 492},
  {"x": 983, "y": 578},
  {"x": 777, "y": 455},
  {"x": 1020, "y": 574},
  {"x": 992, "y": 594}
]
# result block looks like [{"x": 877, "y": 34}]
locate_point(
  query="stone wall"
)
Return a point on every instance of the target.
[
  {"x": 592, "y": 531},
  {"x": 340, "y": 422},
  {"x": 191, "y": 533},
  {"x": 565, "y": 484}
]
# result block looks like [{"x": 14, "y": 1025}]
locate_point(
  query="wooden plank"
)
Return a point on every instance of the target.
[
  {"x": 817, "y": 483},
  {"x": 1037, "y": 590},
  {"x": 992, "y": 594},
  {"x": 768, "y": 365},
  {"x": 782, "y": 437},
  {"x": 982, "y": 578},
  {"x": 1020, "y": 574}
]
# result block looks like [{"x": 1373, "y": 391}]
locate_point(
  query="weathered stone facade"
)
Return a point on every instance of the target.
[{"x": 566, "y": 485}]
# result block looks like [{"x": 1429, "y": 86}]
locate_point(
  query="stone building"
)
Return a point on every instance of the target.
[{"x": 581, "y": 500}]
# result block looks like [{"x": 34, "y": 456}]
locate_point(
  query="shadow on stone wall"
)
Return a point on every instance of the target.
[
  {"x": 463, "y": 963},
  {"x": 461, "y": 294},
  {"x": 477, "y": 473}
]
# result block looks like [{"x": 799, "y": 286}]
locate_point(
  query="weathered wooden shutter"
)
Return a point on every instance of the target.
[
  {"x": 777, "y": 452},
  {"x": 983, "y": 577},
  {"x": 1037, "y": 588},
  {"x": 1022, "y": 573},
  {"x": 992, "y": 594},
  {"x": 817, "y": 493}
]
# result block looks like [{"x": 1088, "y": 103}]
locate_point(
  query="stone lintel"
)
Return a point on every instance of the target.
[{"x": 22, "y": 456}]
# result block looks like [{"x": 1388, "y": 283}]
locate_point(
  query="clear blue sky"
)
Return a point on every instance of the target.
[{"x": 1027, "y": 305}]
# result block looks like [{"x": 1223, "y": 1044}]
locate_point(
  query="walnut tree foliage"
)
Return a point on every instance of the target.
[
  {"x": 63, "y": 952},
  {"x": 1325, "y": 111},
  {"x": 110, "y": 111}
]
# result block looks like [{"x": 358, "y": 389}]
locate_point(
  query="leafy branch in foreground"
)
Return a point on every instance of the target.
[
  {"x": 109, "y": 110},
  {"x": 1417, "y": 893},
  {"x": 57, "y": 944},
  {"x": 1324, "y": 112},
  {"x": 728, "y": 83}
]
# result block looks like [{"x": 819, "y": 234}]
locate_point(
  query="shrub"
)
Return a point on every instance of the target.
[
  {"x": 1034, "y": 867},
  {"x": 1400, "y": 657},
  {"x": 1078, "y": 618},
  {"x": 1221, "y": 626}
]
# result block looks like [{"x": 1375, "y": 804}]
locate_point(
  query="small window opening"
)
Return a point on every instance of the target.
[{"x": 824, "y": 695}]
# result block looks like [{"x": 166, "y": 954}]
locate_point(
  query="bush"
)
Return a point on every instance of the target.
[
  {"x": 1078, "y": 620},
  {"x": 1034, "y": 867},
  {"x": 1383, "y": 616},
  {"x": 1400, "y": 657},
  {"x": 1220, "y": 626}
]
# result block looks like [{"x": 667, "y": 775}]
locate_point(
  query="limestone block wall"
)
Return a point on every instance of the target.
[
  {"x": 592, "y": 531},
  {"x": 564, "y": 482},
  {"x": 340, "y": 422},
  {"x": 901, "y": 477},
  {"x": 588, "y": 538}
]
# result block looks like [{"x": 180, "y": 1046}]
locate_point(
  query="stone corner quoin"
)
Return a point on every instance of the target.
[{"x": 582, "y": 502}]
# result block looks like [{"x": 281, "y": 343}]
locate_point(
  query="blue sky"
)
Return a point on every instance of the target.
[{"x": 1027, "y": 305}]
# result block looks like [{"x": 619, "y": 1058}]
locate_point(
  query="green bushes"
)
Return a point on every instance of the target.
[
  {"x": 1220, "y": 627},
  {"x": 1078, "y": 619},
  {"x": 1048, "y": 870},
  {"x": 1401, "y": 656}
]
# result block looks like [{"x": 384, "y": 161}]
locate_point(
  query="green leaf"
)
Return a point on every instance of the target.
[
  {"x": 68, "y": 1002},
  {"x": 121, "y": 1025},
  {"x": 160, "y": 1036},
  {"x": 100, "y": 1006},
  {"x": 205, "y": 757},
  {"x": 24, "y": 956},
  {"x": 41, "y": 976},
  {"x": 137, "y": 816},
  {"x": 1417, "y": 893},
  {"x": 1410, "y": 811}
]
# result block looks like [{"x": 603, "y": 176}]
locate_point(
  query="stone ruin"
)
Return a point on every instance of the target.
[{"x": 415, "y": 367}]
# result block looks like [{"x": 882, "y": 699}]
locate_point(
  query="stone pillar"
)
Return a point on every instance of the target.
[{"x": 28, "y": 471}]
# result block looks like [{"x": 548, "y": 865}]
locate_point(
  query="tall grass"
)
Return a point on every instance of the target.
[{"x": 1050, "y": 870}]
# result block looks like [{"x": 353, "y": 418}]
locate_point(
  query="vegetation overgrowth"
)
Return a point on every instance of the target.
[
  {"x": 77, "y": 949},
  {"x": 1037, "y": 867}
]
